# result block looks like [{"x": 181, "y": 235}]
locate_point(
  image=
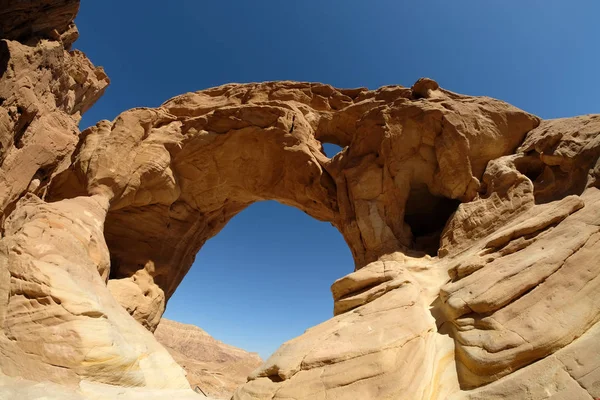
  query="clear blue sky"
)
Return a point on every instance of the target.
[{"x": 265, "y": 278}]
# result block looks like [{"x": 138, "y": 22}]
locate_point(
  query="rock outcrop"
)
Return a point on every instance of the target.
[
  {"x": 58, "y": 322},
  {"x": 473, "y": 226},
  {"x": 213, "y": 366},
  {"x": 188, "y": 167}
]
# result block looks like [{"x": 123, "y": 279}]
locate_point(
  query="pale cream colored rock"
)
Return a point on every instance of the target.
[
  {"x": 18, "y": 388},
  {"x": 371, "y": 352},
  {"x": 59, "y": 320},
  {"x": 570, "y": 373},
  {"x": 140, "y": 292},
  {"x": 525, "y": 291}
]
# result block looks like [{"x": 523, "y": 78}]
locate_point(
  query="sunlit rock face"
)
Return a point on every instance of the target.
[
  {"x": 473, "y": 226},
  {"x": 58, "y": 321},
  {"x": 177, "y": 174}
]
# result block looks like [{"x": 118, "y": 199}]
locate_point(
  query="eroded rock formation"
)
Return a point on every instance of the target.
[
  {"x": 473, "y": 227},
  {"x": 175, "y": 175}
]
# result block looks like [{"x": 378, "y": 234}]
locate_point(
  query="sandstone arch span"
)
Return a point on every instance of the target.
[{"x": 174, "y": 176}]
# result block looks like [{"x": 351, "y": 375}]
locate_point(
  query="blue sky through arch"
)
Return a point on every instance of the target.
[
  {"x": 264, "y": 278},
  {"x": 331, "y": 149}
]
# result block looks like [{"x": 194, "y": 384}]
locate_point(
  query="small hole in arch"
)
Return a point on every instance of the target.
[{"x": 331, "y": 150}]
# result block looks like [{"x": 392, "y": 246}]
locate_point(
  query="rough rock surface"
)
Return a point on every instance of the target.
[
  {"x": 18, "y": 389},
  {"x": 473, "y": 226},
  {"x": 58, "y": 322},
  {"x": 30, "y": 20},
  {"x": 184, "y": 169},
  {"x": 215, "y": 367},
  {"x": 44, "y": 89}
]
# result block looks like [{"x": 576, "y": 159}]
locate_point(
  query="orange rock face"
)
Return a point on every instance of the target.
[
  {"x": 473, "y": 226},
  {"x": 175, "y": 175}
]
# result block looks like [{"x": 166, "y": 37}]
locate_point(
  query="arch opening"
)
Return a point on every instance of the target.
[{"x": 264, "y": 278}]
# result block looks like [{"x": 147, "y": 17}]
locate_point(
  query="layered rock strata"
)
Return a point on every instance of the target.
[{"x": 58, "y": 321}]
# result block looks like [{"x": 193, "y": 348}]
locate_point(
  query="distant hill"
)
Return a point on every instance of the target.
[{"x": 217, "y": 368}]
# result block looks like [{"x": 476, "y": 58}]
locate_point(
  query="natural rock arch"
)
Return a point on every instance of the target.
[
  {"x": 508, "y": 307},
  {"x": 176, "y": 175}
]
